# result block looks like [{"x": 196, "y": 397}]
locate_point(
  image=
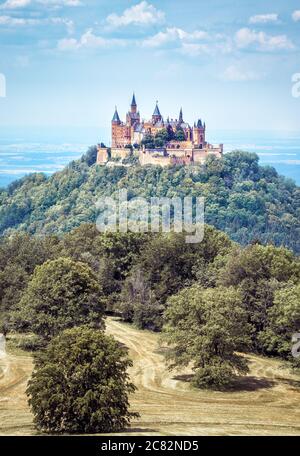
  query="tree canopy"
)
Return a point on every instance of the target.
[
  {"x": 80, "y": 384},
  {"x": 62, "y": 293},
  {"x": 243, "y": 199},
  {"x": 205, "y": 327}
]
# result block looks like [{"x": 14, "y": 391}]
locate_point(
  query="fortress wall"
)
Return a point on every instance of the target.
[
  {"x": 148, "y": 159},
  {"x": 120, "y": 152},
  {"x": 102, "y": 155}
]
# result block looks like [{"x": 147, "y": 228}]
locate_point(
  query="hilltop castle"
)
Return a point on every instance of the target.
[{"x": 157, "y": 141}]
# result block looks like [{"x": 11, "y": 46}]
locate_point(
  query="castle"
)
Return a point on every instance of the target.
[{"x": 157, "y": 141}]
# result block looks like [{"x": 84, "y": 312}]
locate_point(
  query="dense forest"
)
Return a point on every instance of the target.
[
  {"x": 245, "y": 200},
  {"x": 209, "y": 300}
]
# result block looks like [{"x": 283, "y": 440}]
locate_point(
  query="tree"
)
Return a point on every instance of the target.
[
  {"x": 284, "y": 321},
  {"x": 206, "y": 327},
  {"x": 165, "y": 265},
  {"x": 179, "y": 135},
  {"x": 90, "y": 157},
  {"x": 61, "y": 294},
  {"x": 148, "y": 141},
  {"x": 259, "y": 271},
  {"x": 80, "y": 384}
]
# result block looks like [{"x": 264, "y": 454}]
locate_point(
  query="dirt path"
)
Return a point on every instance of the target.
[
  {"x": 15, "y": 417},
  {"x": 266, "y": 403}
]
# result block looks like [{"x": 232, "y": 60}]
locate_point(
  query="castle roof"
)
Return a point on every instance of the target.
[
  {"x": 116, "y": 117},
  {"x": 157, "y": 111}
]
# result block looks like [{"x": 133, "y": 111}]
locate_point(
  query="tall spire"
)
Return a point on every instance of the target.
[
  {"x": 133, "y": 107},
  {"x": 116, "y": 117},
  {"x": 180, "y": 116},
  {"x": 133, "y": 103}
]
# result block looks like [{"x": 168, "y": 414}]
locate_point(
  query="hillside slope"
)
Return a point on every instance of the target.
[{"x": 243, "y": 199}]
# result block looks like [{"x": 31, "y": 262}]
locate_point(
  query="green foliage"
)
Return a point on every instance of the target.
[
  {"x": 166, "y": 265},
  {"x": 148, "y": 141},
  {"x": 283, "y": 321},
  {"x": 206, "y": 327},
  {"x": 179, "y": 135},
  {"x": 259, "y": 271},
  {"x": 19, "y": 255},
  {"x": 243, "y": 199},
  {"x": 62, "y": 293},
  {"x": 90, "y": 157},
  {"x": 80, "y": 384}
]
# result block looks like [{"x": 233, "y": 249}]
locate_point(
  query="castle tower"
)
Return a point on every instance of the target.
[
  {"x": 199, "y": 134},
  {"x": 133, "y": 105},
  {"x": 156, "y": 117},
  {"x": 116, "y": 130}
]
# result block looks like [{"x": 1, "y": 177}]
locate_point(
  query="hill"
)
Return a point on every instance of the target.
[{"x": 245, "y": 200}]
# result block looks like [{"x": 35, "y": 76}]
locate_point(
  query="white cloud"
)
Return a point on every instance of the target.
[
  {"x": 263, "y": 18},
  {"x": 173, "y": 35},
  {"x": 235, "y": 74},
  {"x": 141, "y": 14},
  {"x": 194, "y": 49},
  {"x": 14, "y": 22},
  {"x": 296, "y": 15},
  {"x": 246, "y": 37},
  {"x": 67, "y": 22},
  {"x": 16, "y": 4},
  {"x": 88, "y": 40}
]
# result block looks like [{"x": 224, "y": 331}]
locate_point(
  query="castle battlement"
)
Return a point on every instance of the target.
[{"x": 158, "y": 141}]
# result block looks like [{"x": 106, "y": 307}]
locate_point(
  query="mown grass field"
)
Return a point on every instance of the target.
[{"x": 266, "y": 402}]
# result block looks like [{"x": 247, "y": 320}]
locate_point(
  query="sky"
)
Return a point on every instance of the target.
[{"x": 229, "y": 62}]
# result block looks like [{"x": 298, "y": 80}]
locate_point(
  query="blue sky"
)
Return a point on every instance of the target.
[{"x": 68, "y": 62}]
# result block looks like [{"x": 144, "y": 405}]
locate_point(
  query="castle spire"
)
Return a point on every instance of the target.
[
  {"x": 116, "y": 117},
  {"x": 133, "y": 107},
  {"x": 156, "y": 110},
  {"x": 133, "y": 102},
  {"x": 180, "y": 116}
]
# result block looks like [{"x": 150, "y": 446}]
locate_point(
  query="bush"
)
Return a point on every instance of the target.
[{"x": 80, "y": 384}]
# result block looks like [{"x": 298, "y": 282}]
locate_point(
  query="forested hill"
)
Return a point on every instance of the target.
[{"x": 243, "y": 199}]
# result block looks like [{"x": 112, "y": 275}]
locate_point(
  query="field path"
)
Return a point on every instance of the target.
[
  {"x": 267, "y": 402},
  {"x": 15, "y": 417}
]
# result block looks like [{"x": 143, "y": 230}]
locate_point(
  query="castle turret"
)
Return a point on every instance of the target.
[
  {"x": 199, "y": 134},
  {"x": 156, "y": 117}
]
